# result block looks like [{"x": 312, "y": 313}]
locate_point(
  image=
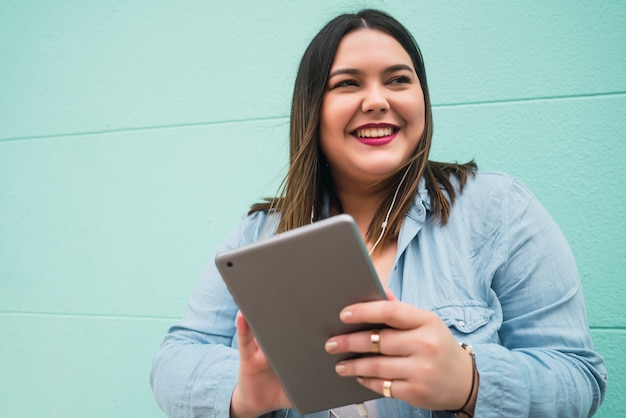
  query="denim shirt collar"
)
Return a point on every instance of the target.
[{"x": 415, "y": 218}]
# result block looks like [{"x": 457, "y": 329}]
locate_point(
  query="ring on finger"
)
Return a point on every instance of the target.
[
  {"x": 375, "y": 341},
  {"x": 387, "y": 388}
]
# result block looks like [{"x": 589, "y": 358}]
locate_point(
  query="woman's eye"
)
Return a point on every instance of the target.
[
  {"x": 345, "y": 83},
  {"x": 401, "y": 80}
]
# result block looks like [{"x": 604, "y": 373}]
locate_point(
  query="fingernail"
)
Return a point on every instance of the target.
[
  {"x": 340, "y": 368},
  {"x": 330, "y": 346},
  {"x": 345, "y": 315}
]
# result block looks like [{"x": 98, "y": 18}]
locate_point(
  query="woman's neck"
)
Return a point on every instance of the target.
[{"x": 361, "y": 204}]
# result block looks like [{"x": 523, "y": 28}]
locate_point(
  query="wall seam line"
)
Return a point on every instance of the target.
[
  {"x": 142, "y": 128},
  {"x": 279, "y": 118},
  {"x": 86, "y": 316},
  {"x": 530, "y": 99},
  {"x": 171, "y": 318}
]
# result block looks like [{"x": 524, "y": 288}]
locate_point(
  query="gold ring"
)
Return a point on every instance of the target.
[
  {"x": 375, "y": 341},
  {"x": 387, "y": 388}
]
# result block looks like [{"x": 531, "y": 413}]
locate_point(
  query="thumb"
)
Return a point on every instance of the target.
[{"x": 247, "y": 344}]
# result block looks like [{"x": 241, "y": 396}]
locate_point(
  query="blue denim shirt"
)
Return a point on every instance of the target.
[{"x": 500, "y": 275}]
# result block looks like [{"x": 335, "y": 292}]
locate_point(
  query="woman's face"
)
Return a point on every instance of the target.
[{"x": 372, "y": 115}]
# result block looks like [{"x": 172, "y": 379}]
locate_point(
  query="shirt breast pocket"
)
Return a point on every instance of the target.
[{"x": 465, "y": 317}]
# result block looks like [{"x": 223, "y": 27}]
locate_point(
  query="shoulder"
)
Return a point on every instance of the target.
[
  {"x": 494, "y": 200},
  {"x": 484, "y": 191},
  {"x": 490, "y": 187},
  {"x": 497, "y": 201},
  {"x": 252, "y": 227}
]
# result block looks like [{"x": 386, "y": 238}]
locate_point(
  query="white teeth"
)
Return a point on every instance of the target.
[{"x": 374, "y": 132}]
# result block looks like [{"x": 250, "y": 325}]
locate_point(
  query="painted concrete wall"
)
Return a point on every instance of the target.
[{"x": 134, "y": 133}]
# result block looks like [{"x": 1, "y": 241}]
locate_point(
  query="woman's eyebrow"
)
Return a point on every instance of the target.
[
  {"x": 399, "y": 67},
  {"x": 341, "y": 71},
  {"x": 353, "y": 71}
]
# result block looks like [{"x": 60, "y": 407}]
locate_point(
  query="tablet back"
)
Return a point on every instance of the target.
[{"x": 291, "y": 288}]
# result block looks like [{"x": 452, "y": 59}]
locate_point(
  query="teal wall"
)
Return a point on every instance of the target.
[{"x": 134, "y": 133}]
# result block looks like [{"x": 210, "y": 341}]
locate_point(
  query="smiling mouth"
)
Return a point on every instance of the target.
[{"x": 375, "y": 132}]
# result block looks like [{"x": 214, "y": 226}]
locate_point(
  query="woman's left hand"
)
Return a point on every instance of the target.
[{"x": 418, "y": 354}]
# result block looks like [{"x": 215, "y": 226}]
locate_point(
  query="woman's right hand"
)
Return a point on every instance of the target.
[{"x": 258, "y": 390}]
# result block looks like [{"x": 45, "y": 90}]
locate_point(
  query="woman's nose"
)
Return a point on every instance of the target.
[{"x": 374, "y": 100}]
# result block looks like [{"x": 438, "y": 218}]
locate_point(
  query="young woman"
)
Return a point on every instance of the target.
[{"x": 468, "y": 257}]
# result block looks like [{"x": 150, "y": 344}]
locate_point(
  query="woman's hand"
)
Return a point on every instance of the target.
[
  {"x": 258, "y": 390},
  {"x": 418, "y": 354}
]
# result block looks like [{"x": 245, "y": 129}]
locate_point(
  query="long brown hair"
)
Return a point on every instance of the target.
[{"x": 308, "y": 183}]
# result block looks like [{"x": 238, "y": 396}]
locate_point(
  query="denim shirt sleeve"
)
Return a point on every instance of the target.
[
  {"x": 195, "y": 370},
  {"x": 545, "y": 365}
]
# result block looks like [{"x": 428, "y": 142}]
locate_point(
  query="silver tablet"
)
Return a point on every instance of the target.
[{"x": 291, "y": 288}]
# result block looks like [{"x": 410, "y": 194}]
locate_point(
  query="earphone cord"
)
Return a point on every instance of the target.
[
  {"x": 393, "y": 202},
  {"x": 384, "y": 225}
]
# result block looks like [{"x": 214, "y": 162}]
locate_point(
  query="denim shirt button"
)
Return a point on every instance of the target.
[{"x": 461, "y": 324}]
